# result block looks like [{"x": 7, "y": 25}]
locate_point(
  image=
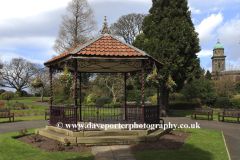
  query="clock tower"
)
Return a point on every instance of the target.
[{"x": 218, "y": 58}]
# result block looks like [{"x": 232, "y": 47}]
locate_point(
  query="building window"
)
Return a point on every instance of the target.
[{"x": 219, "y": 65}]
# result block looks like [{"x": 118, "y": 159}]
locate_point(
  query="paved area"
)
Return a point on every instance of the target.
[
  {"x": 16, "y": 126},
  {"x": 114, "y": 152}
]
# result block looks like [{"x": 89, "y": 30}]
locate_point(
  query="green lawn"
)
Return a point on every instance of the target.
[
  {"x": 215, "y": 116},
  {"x": 25, "y": 99},
  {"x": 13, "y": 149},
  {"x": 40, "y": 110},
  {"x": 202, "y": 144}
]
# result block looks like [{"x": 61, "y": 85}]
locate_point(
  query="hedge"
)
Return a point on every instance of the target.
[
  {"x": 235, "y": 103},
  {"x": 112, "y": 105},
  {"x": 184, "y": 105},
  {"x": 223, "y": 103}
]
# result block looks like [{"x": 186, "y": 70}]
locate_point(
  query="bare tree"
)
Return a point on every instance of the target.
[
  {"x": 44, "y": 77},
  {"x": 128, "y": 26},
  {"x": 114, "y": 83},
  {"x": 19, "y": 73},
  {"x": 75, "y": 27},
  {"x": 225, "y": 82}
]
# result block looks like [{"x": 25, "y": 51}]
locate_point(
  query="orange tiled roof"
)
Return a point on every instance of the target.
[{"x": 104, "y": 45}]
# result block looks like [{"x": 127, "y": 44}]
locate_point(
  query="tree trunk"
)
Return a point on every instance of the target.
[
  {"x": 164, "y": 95},
  {"x": 42, "y": 96}
]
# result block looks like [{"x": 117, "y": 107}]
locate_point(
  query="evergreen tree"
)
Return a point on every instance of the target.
[
  {"x": 208, "y": 75},
  {"x": 169, "y": 36}
]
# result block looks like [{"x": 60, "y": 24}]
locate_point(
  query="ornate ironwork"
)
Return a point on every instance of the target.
[
  {"x": 105, "y": 29},
  {"x": 134, "y": 64},
  {"x": 64, "y": 114},
  {"x": 110, "y": 60},
  {"x": 93, "y": 61},
  {"x": 85, "y": 63}
]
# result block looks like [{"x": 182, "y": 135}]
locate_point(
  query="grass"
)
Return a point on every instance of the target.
[
  {"x": 25, "y": 99},
  {"x": 29, "y": 101},
  {"x": 13, "y": 149},
  {"x": 215, "y": 116},
  {"x": 202, "y": 144}
]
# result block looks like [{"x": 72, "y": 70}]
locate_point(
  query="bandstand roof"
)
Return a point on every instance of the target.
[{"x": 104, "y": 54}]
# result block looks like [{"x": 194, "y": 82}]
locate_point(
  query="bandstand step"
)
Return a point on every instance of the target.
[{"x": 103, "y": 139}]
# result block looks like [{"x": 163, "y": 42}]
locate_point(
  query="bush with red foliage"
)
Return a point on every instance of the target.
[{"x": 2, "y": 104}]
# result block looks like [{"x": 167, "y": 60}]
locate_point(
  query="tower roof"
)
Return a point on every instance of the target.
[{"x": 218, "y": 45}]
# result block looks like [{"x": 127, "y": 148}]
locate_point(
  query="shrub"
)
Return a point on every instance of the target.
[
  {"x": 173, "y": 97},
  {"x": 184, "y": 105},
  {"x": 2, "y": 104},
  {"x": 8, "y": 95},
  {"x": 7, "y": 107},
  {"x": 92, "y": 103},
  {"x": 222, "y": 102},
  {"x": 24, "y": 94},
  {"x": 37, "y": 95},
  {"x": 103, "y": 100},
  {"x": 134, "y": 95},
  {"x": 1, "y": 91},
  {"x": 205, "y": 106},
  {"x": 235, "y": 103},
  {"x": 17, "y": 94},
  {"x": 196, "y": 88},
  {"x": 91, "y": 98},
  {"x": 153, "y": 100},
  {"x": 112, "y": 105},
  {"x": 238, "y": 87},
  {"x": 57, "y": 101},
  {"x": 198, "y": 100},
  {"x": 209, "y": 98},
  {"x": 23, "y": 132}
]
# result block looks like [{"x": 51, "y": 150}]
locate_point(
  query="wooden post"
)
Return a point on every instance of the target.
[
  {"x": 143, "y": 111},
  {"x": 80, "y": 95},
  {"x": 125, "y": 98},
  {"x": 75, "y": 90},
  {"x": 158, "y": 99},
  {"x": 50, "y": 112}
]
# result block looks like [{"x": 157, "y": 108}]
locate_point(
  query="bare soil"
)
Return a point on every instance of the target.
[
  {"x": 171, "y": 141},
  {"x": 49, "y": 145}
]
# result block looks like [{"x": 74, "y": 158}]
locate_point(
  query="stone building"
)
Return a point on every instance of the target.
[
  {"x": 218, "y": 59},
  {"x": 219, "y": 64}
]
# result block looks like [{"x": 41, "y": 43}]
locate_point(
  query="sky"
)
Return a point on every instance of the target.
[{"x": 28, "y": 28}]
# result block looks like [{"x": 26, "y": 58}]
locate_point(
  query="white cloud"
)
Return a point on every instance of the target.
[
  {"x": 8, "y": 56},
  {"x": 194, "y": 11},
  {"x": 205, "y": 53},
  {"x": 215, "y": 8},
  {"x": 28, "y": 42},
  {"x": 229, "y": 33},
  {"x": 24, "y": 8},
  {"x": 207, "y": 26}
]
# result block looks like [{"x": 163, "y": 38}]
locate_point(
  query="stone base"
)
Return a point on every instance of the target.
[{"x": 102, "y": 138}]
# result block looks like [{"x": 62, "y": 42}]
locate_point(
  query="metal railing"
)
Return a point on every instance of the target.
[{"x": 64, "y": 114}]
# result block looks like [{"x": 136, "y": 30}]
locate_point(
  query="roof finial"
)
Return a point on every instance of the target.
[
  {"x": 105, "y": 29},
  {"x": 218, "y": 41}
]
